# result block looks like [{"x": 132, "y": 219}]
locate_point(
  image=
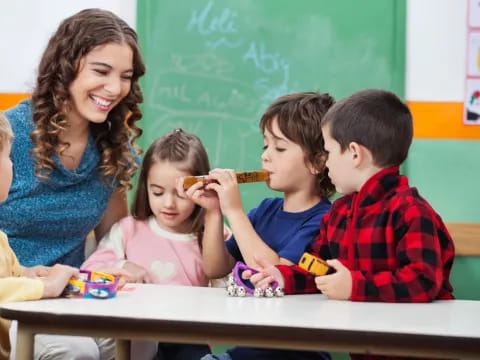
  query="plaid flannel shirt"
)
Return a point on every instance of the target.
[{"x": 395, "y": 245}]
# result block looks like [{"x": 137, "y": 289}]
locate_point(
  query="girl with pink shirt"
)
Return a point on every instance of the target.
[{"x": 160, "y": 242}]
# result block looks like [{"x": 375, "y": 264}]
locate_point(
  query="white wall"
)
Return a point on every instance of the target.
[
  {"x": 26, "y": 26},
  {"x": 436, "y": 42},
  {"x": 436, "y": 50}
]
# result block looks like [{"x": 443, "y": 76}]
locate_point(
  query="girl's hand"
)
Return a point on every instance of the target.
[
  {"x": 36, "y": 271},
  {"x": 338, "y": 285},
  {"x": 267, "y": 274},
  {"x": 138, "y": 273},
  {"x": 123, "y": 275},
  {"x": 198, "y": 193},
  {"x": 226, "y": 187},
  {"x": 57, "y": 279}
]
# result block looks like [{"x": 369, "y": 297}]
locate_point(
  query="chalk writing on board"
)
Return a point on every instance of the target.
[
  {"x": 222, "y": 23},
  {"x": 205, "y": 91},
  {"x": 214, "y": 66}
]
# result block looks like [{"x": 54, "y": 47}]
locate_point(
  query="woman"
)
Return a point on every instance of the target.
[{"x": 74, "y": 153}]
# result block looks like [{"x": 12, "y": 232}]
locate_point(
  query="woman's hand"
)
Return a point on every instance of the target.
[{"x": 35, "y": 271}]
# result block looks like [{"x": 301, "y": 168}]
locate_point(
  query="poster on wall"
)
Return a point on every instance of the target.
[
  {"x": 474, "y": 13},
  {"x": 472, "y": 88},
  {"x": 472, "y": 102},
  {"x": 474, "y": 54}
]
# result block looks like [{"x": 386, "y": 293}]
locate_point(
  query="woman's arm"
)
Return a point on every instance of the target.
[{"x": 116, "y": 209}]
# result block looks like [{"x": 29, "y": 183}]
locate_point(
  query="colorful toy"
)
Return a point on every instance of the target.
[
  {"x": 242, "y": 177},
  {"x": 92, "y": 284},
  {"x": 314, "y": 265},
  {"x": 238, "y": 286}
]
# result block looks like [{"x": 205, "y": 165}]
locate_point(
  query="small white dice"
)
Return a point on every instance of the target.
[{"x": 279, "y": 292}]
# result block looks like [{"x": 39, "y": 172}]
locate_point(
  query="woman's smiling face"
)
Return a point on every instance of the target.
[{"x": 104, "y": 78}]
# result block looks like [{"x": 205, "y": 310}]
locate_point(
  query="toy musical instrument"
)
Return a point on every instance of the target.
[
  {"x": 92, "y": 284},
  {"x": 242, "y": 177},
  {"x": 238, "y": 286}
]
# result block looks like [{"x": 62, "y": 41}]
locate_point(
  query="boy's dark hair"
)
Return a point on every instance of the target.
[
  {"x": 376, "y": 119},
  {"x": 75, "y": 37},
  {"x": 188, "y": 153},
  {"x": 299, "y": 116}
]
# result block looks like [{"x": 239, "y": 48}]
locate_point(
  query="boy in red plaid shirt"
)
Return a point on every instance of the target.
[{"x": 383, "y": 239}]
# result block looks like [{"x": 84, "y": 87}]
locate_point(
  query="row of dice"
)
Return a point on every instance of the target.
[{"x": 268, "y": 292}]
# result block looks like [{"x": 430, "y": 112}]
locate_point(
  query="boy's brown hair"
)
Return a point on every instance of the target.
[
  {"x": 376, "y": 119},
  {"x": 299, "y": 116},
  {"x": 6, "y": 132}
]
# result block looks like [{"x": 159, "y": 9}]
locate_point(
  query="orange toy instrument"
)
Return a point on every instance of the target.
[{"x": 242, "y": 177}]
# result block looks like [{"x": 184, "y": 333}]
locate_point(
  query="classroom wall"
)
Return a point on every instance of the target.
[
  {"x": 442, "y": 163},
  {"x": 25, "y": 34}
]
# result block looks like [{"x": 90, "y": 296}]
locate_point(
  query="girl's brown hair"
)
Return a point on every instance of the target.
[
  {"x": 299, "y": 116},
  {"x": 115, "y": 138},
  {"x": 188, "y": 153}
]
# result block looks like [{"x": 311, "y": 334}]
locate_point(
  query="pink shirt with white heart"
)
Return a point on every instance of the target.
[{"x": 171, "y": 258}]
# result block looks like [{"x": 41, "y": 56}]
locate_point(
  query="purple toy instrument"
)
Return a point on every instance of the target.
[{"x": 238, "y": 286}]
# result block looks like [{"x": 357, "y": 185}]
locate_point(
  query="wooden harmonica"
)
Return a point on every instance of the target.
[{"x": 242, "y": 177}]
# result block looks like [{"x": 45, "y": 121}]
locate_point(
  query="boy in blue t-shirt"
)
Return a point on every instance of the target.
[{"x": 279, "y": 229}]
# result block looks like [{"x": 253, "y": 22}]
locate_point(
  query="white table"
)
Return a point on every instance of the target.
[{"x": 443, "y": 329}]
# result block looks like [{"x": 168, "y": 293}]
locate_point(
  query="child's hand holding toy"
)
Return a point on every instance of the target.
[{"x": 243, "y": 282}]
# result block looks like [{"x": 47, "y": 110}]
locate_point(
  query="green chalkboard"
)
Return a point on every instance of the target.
[{"x": 214, "y": 66}]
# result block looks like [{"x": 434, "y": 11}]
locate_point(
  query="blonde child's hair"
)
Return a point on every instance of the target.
[{"x": 6, "y": 132}]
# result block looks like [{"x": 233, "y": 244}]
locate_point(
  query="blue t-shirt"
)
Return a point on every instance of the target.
[
  {"x": 287, "y": 233},
  {"x": 47, "y": 221}
]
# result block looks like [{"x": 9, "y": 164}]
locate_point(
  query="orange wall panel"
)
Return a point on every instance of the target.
[
  {"x": 10, "y": 99},
  {"x": 430, "y": 119},
  {"x": 441, "y": 120}
]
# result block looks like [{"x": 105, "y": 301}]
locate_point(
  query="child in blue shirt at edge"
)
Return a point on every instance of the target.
[
  {"x": 384, "y": 240},
  {"x": 279, "y": 229}
]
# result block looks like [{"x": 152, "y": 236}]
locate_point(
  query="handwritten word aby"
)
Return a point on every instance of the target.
[
  {"x": 219, "y": 25},
  {"x": 217, "y": 78}
]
